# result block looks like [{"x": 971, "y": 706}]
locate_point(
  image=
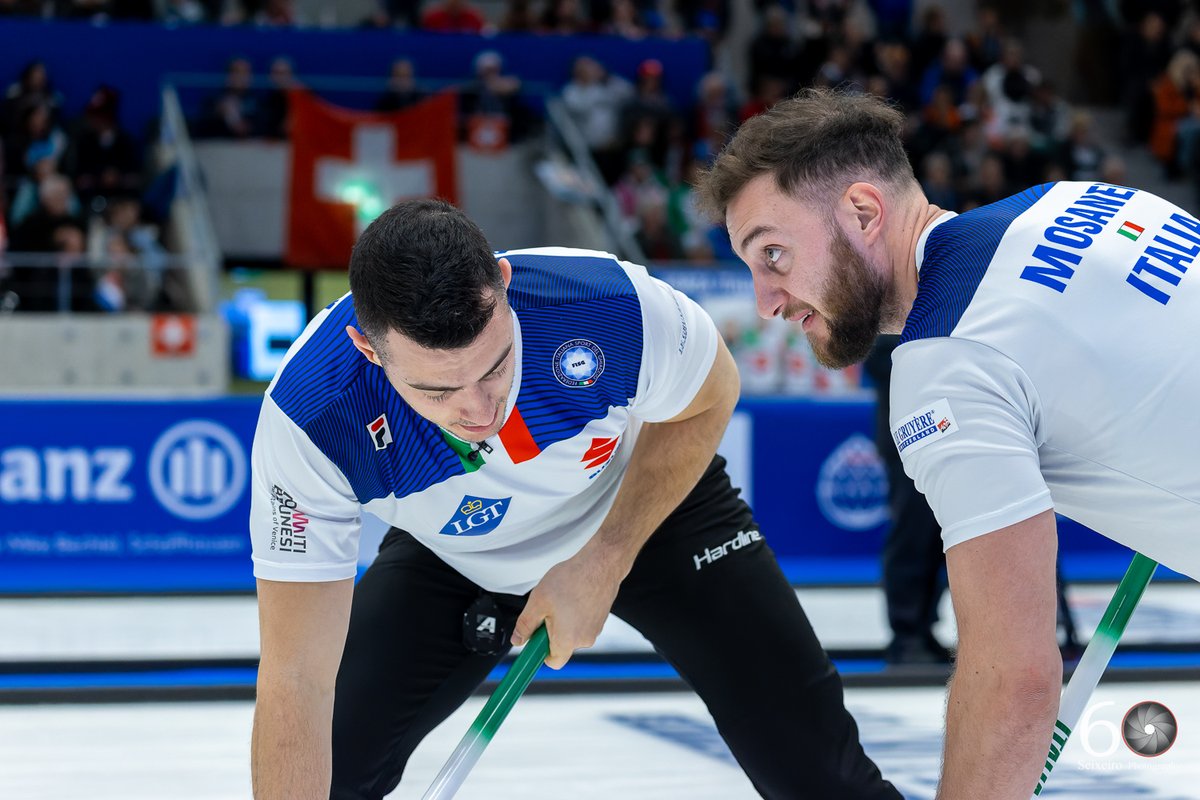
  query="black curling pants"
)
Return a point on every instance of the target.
[{"x": 722, "y": 614}]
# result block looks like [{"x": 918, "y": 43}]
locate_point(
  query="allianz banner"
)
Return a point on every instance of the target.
[
  {"x": 146, "y": 496},
  {"x": 125, "y": 495}
]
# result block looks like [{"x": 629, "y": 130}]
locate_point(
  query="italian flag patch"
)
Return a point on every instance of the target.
[{"x": 1131, "y": 231}]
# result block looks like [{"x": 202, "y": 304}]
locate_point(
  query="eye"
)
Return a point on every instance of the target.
[
  {"x": 437, "y": 398},
  {"x": 497, "y": 373},
  {"x": 773, "y": 255}
]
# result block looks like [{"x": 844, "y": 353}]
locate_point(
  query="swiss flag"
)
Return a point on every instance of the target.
[{"x": 350, "y": 166}]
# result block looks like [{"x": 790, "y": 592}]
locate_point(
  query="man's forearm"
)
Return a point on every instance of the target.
[
  {"x": 290, "y": 747},
  {"x": 998, "y": 727},
  {"x": 667, "y": 462}
]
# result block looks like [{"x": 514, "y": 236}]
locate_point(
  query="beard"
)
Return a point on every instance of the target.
[{"x": 857, "y": 300}]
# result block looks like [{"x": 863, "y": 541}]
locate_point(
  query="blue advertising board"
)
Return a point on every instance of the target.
[
  {"x": 151, "y": 496},
  {"x": 125, "y": 495}
]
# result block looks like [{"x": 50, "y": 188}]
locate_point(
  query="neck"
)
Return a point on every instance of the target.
[{"x": 915, "y": 215}]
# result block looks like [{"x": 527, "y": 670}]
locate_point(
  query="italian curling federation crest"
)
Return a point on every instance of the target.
[{"x": 578, "y": 362}]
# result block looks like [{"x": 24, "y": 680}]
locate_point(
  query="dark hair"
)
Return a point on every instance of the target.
[
  {"x": 815, "y": 144},
  {"x": 425, "y": 270}
]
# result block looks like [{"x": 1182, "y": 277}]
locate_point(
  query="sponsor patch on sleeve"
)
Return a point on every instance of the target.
[{"x": 928, "y": 425}]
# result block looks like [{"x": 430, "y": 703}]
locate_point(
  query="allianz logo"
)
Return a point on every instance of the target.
[
  {"x": 197, "y": 469},
  {"x": 58, "y": 474}
]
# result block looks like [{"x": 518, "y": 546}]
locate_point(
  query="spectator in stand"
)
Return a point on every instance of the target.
[
  {"x": 274, "y": 121},
  {"x": 519, "y": 17},
  {"x": 654, "y": 234},
  {"x": 1173, "y": 92},
  {"x": 183, "y": 12},
  {"x": 35, "y": 234},
  {"x": 232, "y": 114},
  {"x": 1082, "y": 158},
  {"x": 969, "y": 149},
  {"x": 31, "y": 88},
  {"x": 493, "y": 97},
  {"x": 42, "y": 164},
  {"x": 1143, "y": 57},
  {"x": 774, "y": 53},
  {"x": 402, "y": 90},
  {"x": 716, "y": 113},
  {"x": 985, "y": 42},
  {"x": 687, "y": 219},
  {"x": 626, "y": 21},
  {"x": 937, "y": 179},
  {"x": 116, "y": 270},
  {"x": 1023, "y": 166},
  {"x": 931, "y": 38},
  {"x": 639, "y": 185},
  {"x": 767, "y": 93},
  {"x": 1049, "y": 118},
  {"x": 104, "y": 159},
  {"x": 453, "y": 16},
  {"x": 649, "y": 109},
  {"x": 563, "y": 17},
  {"x": 37, "y": 129},
  {"x": 941, "y": 120},
  {"x": 990, "y": 185},
  {"x": 406, "y": 13},
  {"x": 893, "y": 19},
  {"x": 21, "y": 8},
  {"x": 952, "y": 71},
  {"x": 893, "y": 60},
  {"x": 595, "y": 100},
  {"x": 1009, "y": 84},
  {"x": 65, "y": 285},
  {"x": 277, "y": 13}
]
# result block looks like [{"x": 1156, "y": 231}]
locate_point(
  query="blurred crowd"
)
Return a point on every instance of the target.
[
  {"x": 1160, "y": 84},
  {"x": 629, "y": 18},
  {"x": 983, "y": 119},
  {"x": 78, "y": 234}
]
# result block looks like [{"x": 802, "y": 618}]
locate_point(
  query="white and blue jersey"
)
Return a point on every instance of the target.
[
  {"x": 600, "y": 348},
  {"x": 1052, "y": 360}
]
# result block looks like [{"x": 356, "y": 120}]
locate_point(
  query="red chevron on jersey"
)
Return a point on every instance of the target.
[{"x": 600, "y": 451}]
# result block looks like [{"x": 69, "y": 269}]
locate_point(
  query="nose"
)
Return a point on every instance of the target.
[
  {"x": 477, "y": 405},
  {"x": 769, "y": 299}
]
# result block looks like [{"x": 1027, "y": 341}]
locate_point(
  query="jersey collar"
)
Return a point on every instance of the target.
[{"x": 949, "y": 215}]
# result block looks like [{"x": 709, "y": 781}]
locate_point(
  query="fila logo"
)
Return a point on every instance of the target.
[
  {"x": 381, "y": 434},
  {"x": 488, "y": 625},
  {"x": 600, "y": 451}
]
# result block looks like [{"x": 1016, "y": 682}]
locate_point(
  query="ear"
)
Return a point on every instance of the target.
[
  {"x": 505, "y": 271},
  {"x": 363, "y": 345},
  {"x": 864, "y": 206}
]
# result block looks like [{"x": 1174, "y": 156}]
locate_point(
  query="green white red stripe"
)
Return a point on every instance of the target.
[{"x": 1131, "y": 231}]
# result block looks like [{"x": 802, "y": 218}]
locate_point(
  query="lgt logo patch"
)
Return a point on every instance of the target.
[{"x": 476, "y": 516}]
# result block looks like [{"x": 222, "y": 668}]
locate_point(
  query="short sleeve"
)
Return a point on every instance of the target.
[
  {"x": 304, "y": 518},
  {"x": 679, "y": 344},
  {"x": 965, "y": 420}
]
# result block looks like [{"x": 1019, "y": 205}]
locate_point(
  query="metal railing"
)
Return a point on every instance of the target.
[
  {"x": 78, "y": 282},
  {"x": 192, "y": 220},
  {"x": 624, "y": 243}
]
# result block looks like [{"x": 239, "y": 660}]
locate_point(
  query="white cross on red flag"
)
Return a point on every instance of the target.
[{"x": 349, "y": 166}]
